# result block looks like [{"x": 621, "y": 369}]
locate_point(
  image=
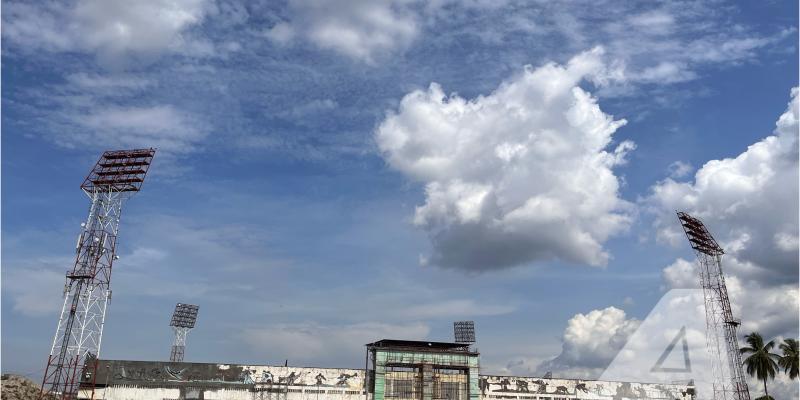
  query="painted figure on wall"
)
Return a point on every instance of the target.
[
  {"x": 290, "y": 379},
  {"x": 624, "y": 390},
  {"x": 319, "y": 378},
  {"x": 246, "y": 377},
  {"x": 483, "y": 384},
  {"x": 504, "y": 384},
  {"x": 175, "y": 373},
  {"x": 343, "y": 378}
]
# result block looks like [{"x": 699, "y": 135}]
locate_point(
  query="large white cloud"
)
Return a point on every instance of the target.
[
  {"x": 113, "y": 30},
  {"x": 590, "y": 342},
  {"x": 522, "y": 174},
  {"x": 361, "y": 29},
  {"x": 750, "y": 203}
]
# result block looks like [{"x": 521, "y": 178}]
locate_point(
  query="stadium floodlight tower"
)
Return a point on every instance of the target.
[
  {"x": 116, "y": 176},
  {"x": 464, "y": 331},
  {"x": 182, "y": 322},
  {"x": 721, "y": 337}
]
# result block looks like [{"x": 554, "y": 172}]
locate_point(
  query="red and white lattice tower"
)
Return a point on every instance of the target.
[
  {"x": 721, "y": 336},
  {"x": 76, "y": 346}
]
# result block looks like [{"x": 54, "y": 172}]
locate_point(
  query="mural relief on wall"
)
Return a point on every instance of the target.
[
  {"x": 122, "y": 372},
  {"x": 317, "y": 377},
  {"x": 520, "y": 387}
]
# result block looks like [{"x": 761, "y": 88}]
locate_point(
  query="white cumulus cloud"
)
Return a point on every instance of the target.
[
  {"x": 591, "y": 341},
  {"x": 522, "y": 174},
  {"x": 750, "y": 205},
  {"x": 749, "y": 202}
]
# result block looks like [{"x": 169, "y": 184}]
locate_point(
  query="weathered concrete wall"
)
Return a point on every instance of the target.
[
  {"x": 144, "y": 380},
  {"x": 529, "y": 388},
  {"x": 124, "y": 380},
  {"x": 153, "y": 372}
]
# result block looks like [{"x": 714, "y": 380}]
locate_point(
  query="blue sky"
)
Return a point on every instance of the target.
[{"x": 311, "y": 184}]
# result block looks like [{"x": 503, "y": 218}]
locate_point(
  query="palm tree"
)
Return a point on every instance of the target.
[
  {"x": 760, "y": 362},
  {"x": 789, "y": 360}
]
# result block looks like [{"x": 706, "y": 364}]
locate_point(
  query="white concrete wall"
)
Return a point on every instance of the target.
[
  {"x": 260, "y": 382},
  {"x": 145, "y": 393},
  {"x": 135, "y": 393},
  {"x": 531, "y": 388}
]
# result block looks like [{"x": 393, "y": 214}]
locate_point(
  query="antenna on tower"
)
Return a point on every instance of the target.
[
  {"x": 183, "y": 320},
  {"x": 116, "y": 176},
  {"x": 721, "y": 337},
  {"x": 464, "y": 331}
]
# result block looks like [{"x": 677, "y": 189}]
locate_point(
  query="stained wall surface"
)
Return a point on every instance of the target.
[
  {"x": 148, "y": 380},
  {"x": 530, "y": 388}
]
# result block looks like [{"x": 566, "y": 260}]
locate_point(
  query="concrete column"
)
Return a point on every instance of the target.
[{"x": 427, "y": 382}]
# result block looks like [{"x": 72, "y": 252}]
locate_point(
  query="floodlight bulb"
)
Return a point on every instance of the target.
[
  {"x": 83, "y": 224},
  {"x": 116, "y": 257},
  {"x": 96, "y": 239}
]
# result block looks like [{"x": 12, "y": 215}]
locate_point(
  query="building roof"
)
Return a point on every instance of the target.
[{"x": 419, "y": 345}]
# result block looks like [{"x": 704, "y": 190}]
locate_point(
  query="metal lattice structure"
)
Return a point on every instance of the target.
[
  {"x": 115, "y": 177},
  {"x": 464, "y": 331},
  {"x": 721, "y": 327},
  {"x": 183, "y": 320}
]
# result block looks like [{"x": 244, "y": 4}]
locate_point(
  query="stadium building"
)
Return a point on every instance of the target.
[{"x": 393, "y": 370}]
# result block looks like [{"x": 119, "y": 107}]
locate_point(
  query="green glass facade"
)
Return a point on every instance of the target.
[{"x": 402, "y": 370}]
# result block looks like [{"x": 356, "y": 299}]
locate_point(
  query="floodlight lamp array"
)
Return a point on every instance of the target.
[
  {"x": 464, "y": 331},
  {"x": 119, "y": 171},
  {"x": 699, "y": 237},
  {"x": 185, "y": 315}
]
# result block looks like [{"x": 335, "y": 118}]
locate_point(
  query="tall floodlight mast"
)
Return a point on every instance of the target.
[
  {"x": 182, "y": 322},
  {"x": 721, "y": 326},
  {"x": 76, "y": 346}
]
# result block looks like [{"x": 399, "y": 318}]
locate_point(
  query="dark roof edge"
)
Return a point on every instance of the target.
[{"x": 417, "y": 344}]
